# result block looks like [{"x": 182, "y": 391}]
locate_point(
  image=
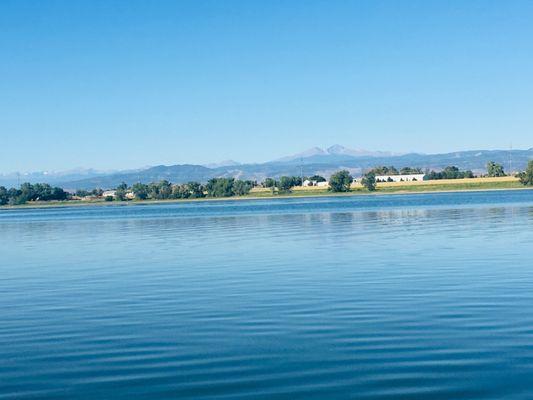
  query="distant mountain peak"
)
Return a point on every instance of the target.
[
  {"x": 224, "y": 163},
  {"x": 336, "y": 150},
  {"x": 313, "y": 151}
]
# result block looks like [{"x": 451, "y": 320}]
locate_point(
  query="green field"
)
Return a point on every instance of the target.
[{"x": 448, "y": 186}]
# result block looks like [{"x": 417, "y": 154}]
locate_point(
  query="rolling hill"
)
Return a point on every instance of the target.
[{"x": 312, "y": 161}]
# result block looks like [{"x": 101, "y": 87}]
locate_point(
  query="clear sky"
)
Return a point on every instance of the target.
[{"x": 127, "y": 84}]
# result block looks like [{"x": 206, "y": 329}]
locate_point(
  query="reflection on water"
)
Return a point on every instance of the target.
[{"x": 375, "y": 298}]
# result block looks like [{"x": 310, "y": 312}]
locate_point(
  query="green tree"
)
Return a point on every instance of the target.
[
  {"x": 14, "y": 197},
  {"x": 297, "y": 181},
  {"x": 120, "y": 191},
  {"x": 59, "y": 194},
  {"x": 450, "y": 172},
  {"x": 35, "y": 192},
  {"x": 410, "y": 171},
  {"x": 369, "y": 181},
  {"x": 286, "y": 183},
  {"x": 220, "y": 187},
  {"x": 241, "y": 188},
  {"x": 4, "y": 198},
  {"x": 196, "y": 190},
  {"x": 340, "y": 181},
  {"x": 17, "y": 200},
  {"x": 270, "y": 183},
  {"x": 26, "y": 193},
  {"x": 494, "y": 169},
  {"x": 317, "y": 178},
  {"x": 164, "y": 190},
  {"x": 180, "y": 192},
  {"x": 140, "y": 191},
  {"x": 526, "y": 177},
  {"x": 82, "y": 193},
  {"x": 120, "y": 194},
  {"x": 384, "y": 170}
]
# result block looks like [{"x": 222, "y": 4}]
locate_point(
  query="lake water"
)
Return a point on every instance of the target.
[{"x": 372, "y": 297}]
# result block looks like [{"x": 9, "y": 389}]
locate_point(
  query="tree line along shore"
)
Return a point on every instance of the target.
[{"x": 383, "y": 179}]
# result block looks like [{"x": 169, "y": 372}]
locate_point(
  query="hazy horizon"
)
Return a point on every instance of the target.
[
  {"x": 213, "y": 163},
  {"x": 121, "y": 85}
]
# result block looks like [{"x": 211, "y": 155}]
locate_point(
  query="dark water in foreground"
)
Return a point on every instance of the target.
[{"x": 391, "y": 297}]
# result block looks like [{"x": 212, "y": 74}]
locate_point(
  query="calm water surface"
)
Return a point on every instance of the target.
[{"x": 377, "y": 297}]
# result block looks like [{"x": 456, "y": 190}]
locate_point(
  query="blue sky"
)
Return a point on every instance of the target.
[{"x": 126, "y": 84}]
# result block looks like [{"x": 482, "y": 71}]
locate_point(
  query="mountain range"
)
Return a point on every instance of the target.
[
  {"x": 312, "y": 161},
  {"x": 335, "y": 152}
]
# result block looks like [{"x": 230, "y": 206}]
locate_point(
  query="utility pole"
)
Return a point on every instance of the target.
[
  {"x": 510, "y": 159},
  {"x": 302, "y": 171}
]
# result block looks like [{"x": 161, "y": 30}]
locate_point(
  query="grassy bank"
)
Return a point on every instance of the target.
[
  {"x": 451, "y": 185},
  {"x": 445, "y": 185},
  {"x": 409, "y": 187}
]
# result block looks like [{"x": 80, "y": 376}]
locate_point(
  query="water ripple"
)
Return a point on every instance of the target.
[{"x": 390, "y": 297}]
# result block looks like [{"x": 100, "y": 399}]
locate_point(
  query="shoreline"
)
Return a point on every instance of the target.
[{"x": 294, "y": 194}]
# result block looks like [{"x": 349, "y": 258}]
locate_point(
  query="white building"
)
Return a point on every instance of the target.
[
  {"x": 397, "y": 178},
  {"x": 307, "y": 183},
  {"x": 400, "y": 178},
  {"x": 111, "y": 193}
]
